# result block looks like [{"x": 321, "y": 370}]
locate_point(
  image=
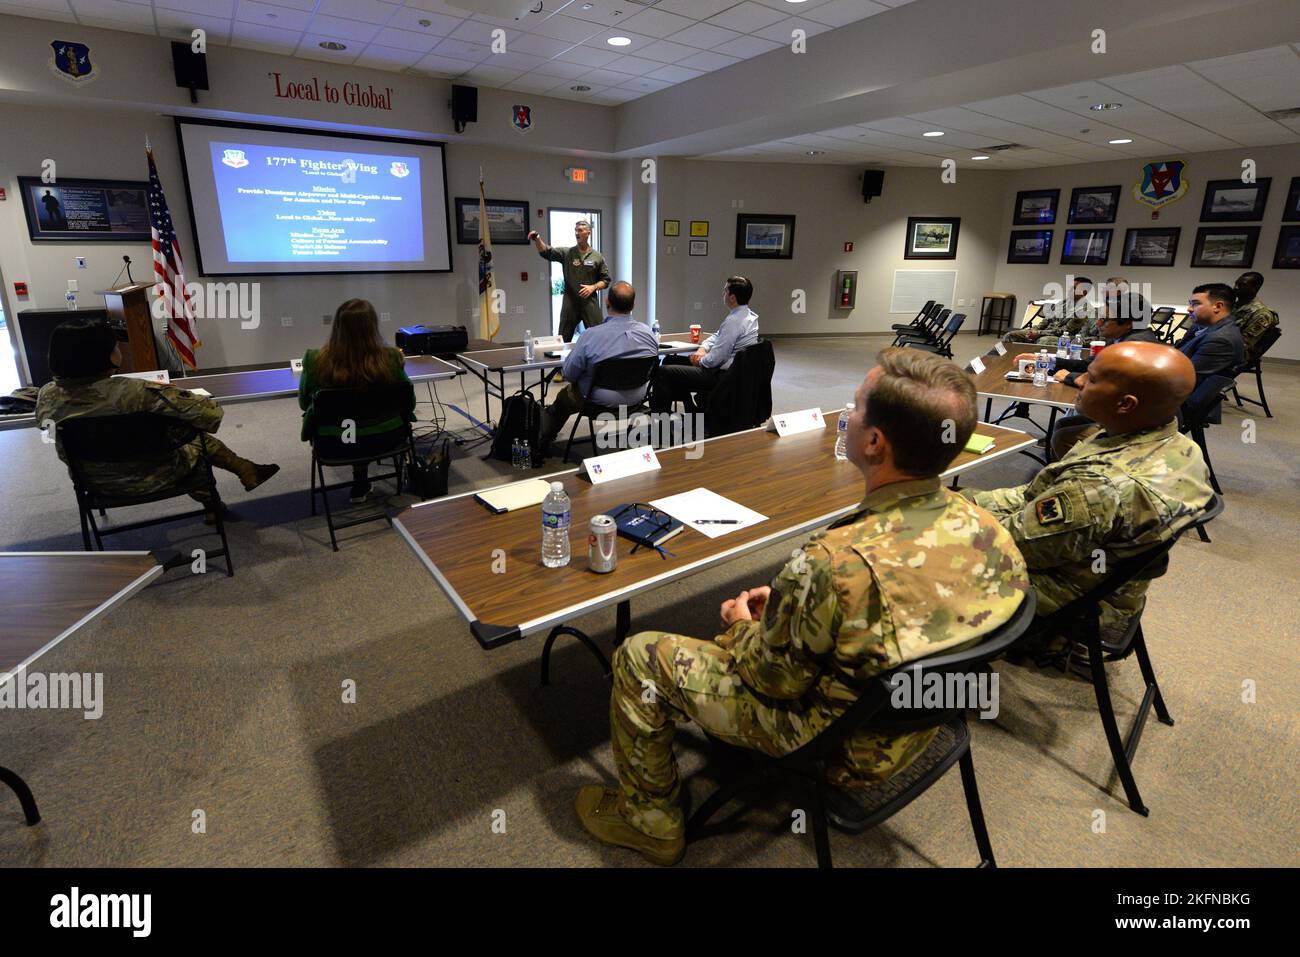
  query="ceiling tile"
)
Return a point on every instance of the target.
[
  {"x": 343, "y": 28},
  {"x": 840, "y": 13},
  {"x": 633, "y": 66},
  {"x": 706, "y": 61},
  {"x": 695, "y": 9},
  {"x": 704, "y": 36},
  {"x": 560, "y": 27},
  {"x": 408, "y": 18},
  {"x": 539, "y": 45},
  {"x": 675, "y": 74},
  {"x": 782, "y": 32},
  {"x": 656, "y": 23},
  {"x": 407, "y": 39},
  {"x": 443, "y": 65},
  {"x": 747, "y": 17},
  {"x": 665, "y": 51},
  {"x": 387, "y": 58},
  {"x": 209, "y": 8},
  {"x": 264, "y": 14},
  {"x": 746, "y": 47},
  {"x": 265, "y": 39},
  {"x": 460, "y": 50},
  {"x": 366, "y": 11}
]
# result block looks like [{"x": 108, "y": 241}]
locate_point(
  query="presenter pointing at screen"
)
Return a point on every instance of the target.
[{"x": 585, "y": 274}]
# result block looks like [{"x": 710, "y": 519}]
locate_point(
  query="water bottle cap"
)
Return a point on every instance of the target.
[{"x": 557, "y": 486}]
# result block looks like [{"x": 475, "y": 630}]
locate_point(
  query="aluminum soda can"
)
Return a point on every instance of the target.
[{"x": 602, "y": 549}]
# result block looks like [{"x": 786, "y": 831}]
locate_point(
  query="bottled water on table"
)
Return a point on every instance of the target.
[
  {"x": 515, "y": 451},
  {"x": 1063, "y": 346},
  {"x": 1076, "y": 349},
  {"x": 842, "y": 434},
  {"x": 1040, "y": 369},
  {"x": 525, "y": 455},
  {"x": 555, "y": 527},
  {"x": 528, "y": 345},
  {"x": 654, "y": 327}
]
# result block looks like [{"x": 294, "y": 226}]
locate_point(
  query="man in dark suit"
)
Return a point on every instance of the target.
[{"x": 1214, "y": 344}]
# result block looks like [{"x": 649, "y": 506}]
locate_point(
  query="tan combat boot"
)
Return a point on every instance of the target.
[{"x": 600, "y": 811}]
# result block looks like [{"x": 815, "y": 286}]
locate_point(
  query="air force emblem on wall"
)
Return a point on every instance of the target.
[
  {"x": 523, "y": 118},
  {"x": 72, "y": 61},
  {"x": 1161, "y": 184}
]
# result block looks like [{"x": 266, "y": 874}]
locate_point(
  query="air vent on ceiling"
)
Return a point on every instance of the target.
[
  {"x": 1291, "y": 114},
  {"x": 1002, "y": 147}
]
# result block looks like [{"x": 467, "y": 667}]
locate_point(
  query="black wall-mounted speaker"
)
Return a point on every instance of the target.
[
  {"x": 873, "y": 182},
  {"x": 464, "y": 105},
  {"x": 191, "y": 69}
]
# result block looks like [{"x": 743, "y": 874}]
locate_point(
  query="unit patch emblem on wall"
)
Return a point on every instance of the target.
[
  {"x": 72, "y": 61},
  {"x": 1161, "y": 184},
  {"x": 523, "y": 118}
]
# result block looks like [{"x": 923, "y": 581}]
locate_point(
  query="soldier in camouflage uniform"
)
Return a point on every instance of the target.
[
  {"x": 915, "y": 571},
  {"x": 1251, "y": 315},
  {"x": 1072, "y": 318},
  {"x": 1126, "y": 488},
  {"x": 83, "y": 356}
]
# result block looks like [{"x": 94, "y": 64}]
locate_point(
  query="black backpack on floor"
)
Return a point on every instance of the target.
[{"x": 521, "y": 418}]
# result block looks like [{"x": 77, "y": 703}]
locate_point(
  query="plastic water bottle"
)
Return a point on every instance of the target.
[
  {"x": 1063, "y": 346},
  {"x": 654, "y": 327},
  {"x": 842, "y": 434},
  {"x": 516, "y": 452},
  {"x": 528, "y": 345},
  {"x": 525, "y": 455},
  {"x": 555, "y": 527},
  {"x": 71, "y": 298},
  {"x": 1076, "y": 349},
  {"x": 1040, "y": 369}
]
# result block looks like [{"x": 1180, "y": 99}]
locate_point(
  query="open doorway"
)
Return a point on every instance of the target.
[
  {"x": 8, "y": 352},
  {"x": 559, "y": 226}
]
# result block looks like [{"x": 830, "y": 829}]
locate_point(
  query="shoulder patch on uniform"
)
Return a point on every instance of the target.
[{"x": 1055, "y": 508}]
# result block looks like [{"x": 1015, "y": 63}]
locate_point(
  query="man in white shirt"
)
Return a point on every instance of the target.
[{"x": 739, "y": 330}]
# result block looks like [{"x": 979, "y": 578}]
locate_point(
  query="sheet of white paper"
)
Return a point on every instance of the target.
[{"x": 691, "y": 507}]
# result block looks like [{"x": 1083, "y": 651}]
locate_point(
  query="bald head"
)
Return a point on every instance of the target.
[{"x": 1132, "y": 386}]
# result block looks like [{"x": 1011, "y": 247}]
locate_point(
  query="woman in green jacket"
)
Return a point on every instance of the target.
[{"x": 355, "y": 357}]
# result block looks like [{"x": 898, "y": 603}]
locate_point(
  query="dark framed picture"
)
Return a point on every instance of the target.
[
  {"x": 507, "y": 221},
  {"x": 1086, "y": 247},
  {"x": 763, "y": 236},
  {"x": 1030, "y": 246},
  {"x": 1291, "y": 211},
  {"x": 1036, "y": 207},
  {"x": 931, "y": 237},
  {"x": 86, "y": 210},
  {"x": 699, "y": 247},
  {"x": 1287, "y": 255},
  {"x": 1150, "y": 247},
  {"x": 672, "y": 227},
  {"x": 1229, "y": 246},
  {"x": 1094, "y": 204},
  {"x": 1232, "y": 201}
]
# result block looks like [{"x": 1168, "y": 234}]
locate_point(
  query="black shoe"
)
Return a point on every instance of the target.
[{"x": 359, "y": 493}]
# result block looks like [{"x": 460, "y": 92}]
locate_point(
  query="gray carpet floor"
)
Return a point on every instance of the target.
[{"x": 225, "y": 695}]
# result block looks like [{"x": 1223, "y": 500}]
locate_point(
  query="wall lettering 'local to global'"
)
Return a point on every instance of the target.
[{"x": 322, "y": 91}]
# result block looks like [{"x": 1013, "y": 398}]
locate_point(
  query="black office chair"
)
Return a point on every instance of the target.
[
  {"x": 1197, "y": 412},
  {"x": 1080, "y": 621},
  {"x": 141, "y": 438},
  {"x": 375, "y": 422},
  {"x": 1160, "y": 320},
  {"x": 25, "y": 800},
  {"x": 942, "y": 344},
  {"x": 1266, "y": 342},
  {"x": 1170, "y": 334},
  {"x": 873, "y": 711},
  {"x": 619, "y": 375},
  {"x": 742, "y": 397}
]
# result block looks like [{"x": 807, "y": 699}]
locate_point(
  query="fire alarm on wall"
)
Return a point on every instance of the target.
[
  {"x": 20, "y": 289},
  {"x": 848, "y": 247}
]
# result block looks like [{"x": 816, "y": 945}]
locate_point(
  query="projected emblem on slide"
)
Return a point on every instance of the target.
[{"x": 283, "y": 204}]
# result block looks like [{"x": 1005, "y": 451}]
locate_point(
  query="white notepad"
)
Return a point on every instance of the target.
[
  {"x": 695, "y": 507},
  {"x": 507, "y": 498}
]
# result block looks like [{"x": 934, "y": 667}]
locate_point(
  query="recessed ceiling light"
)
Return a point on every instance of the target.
[
  {"x": 619, "y": 41},
  {"x": 933, "y": 133},
  {"x": 580, "y": 89},
  {"x": 1120, "y": 142},
  {"x": 332, "y": 45},
  {"x": 980, "y": 157},
  {"x": 1105, "y": 106}
]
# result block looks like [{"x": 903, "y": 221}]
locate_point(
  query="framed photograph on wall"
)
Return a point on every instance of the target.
[
  {"x": 1086, "y": 247},
  {"x": 1036, "y": 207},
  {"x": 931, "y": 237},
  {"x": 1287, "y": 255},
  {"x": 672, "y": 227},
  {"x": 1030, "y": 246},
  {"x": 1228, "y": 246},
  {"x": 1232, "y": 201},
  {"x": 699, "y": 247},
  {"x": 507, "y": 221},
  {"x": 763, "y": 236},
  {"x": 699, "y": 228},
  {"x": 86, "y": 210},
  {"x": 1094, "y": 204},
  {"x": 1150, "y": 247},
  {"x": 1291, "y": 211}
]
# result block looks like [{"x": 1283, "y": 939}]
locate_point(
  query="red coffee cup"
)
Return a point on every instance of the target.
[
  {"x": 1096, "y": 346},
  {"x": 695, "y": 332}
]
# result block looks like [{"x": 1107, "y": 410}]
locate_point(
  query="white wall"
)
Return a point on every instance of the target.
[{"x": 1171, "y": 285}]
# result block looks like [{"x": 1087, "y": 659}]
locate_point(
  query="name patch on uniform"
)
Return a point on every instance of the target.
[{"x": 1053, "y": 510}]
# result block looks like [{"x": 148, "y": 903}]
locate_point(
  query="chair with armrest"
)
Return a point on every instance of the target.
[
  {"x": 620, "y": 375},
  {"x": 355, "y": 427},
  {"x": 875, "y": 711},
  {"x": 145, "y": 438}
]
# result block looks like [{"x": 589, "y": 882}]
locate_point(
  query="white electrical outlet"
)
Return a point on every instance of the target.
[
  {"x": 699, "y": 305},
  {"x": 72, "y": 285},
  {"x": 385, "y": 317},
  {"x": 286, "y": 320},
  {"x": 740, "y": 203},
  {"x": 519, "y": 309}
]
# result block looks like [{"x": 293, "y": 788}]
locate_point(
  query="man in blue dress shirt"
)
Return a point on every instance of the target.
[
  {"x": 618, "y": 337},
  {"x": 677, "y": 380}
]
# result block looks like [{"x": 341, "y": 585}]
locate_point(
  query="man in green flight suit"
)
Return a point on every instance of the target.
[
  {"x": 915, "y": 571},
  {"x": 585, "y": 274},
  {"x": 1133, "y": 484}
]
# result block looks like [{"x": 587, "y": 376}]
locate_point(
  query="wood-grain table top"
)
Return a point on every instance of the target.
[
  {"x": 511, "y": 358},
  {"x": 49, "y": 595},
  {"x": 795, "y": 481},
  {"x": 993, "y": 384}
]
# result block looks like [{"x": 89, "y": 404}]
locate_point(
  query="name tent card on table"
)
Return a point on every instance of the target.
[
  {"x": 296, "y": 366},
  {"x": 1001, "y": 349},
  {"x": 621, "y": 464},
  {"x": 977, "y": 365},
  {"x": 792, "y": 423},
  {"x": 157, "y": 375}
]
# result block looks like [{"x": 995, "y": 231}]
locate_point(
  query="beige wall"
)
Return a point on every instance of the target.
[{"x": 1167, "y": 284}]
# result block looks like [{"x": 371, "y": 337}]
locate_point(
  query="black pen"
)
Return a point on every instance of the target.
[{"x": 717, "y": 521}]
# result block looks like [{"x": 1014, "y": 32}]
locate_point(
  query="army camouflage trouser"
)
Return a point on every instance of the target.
[{"x": 662, "y": 678}]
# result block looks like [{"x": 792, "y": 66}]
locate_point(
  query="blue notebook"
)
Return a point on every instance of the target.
[{"x": 645, "y": 525}]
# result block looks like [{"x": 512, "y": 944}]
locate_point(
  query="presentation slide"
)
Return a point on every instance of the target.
[{"x": 280, "y": 201}]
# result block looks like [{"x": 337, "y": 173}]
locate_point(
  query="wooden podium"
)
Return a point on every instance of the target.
[{"x": 128, "y": 306}]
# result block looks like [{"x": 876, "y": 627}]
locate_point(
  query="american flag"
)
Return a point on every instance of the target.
[
  {"x": 170, "y": 272},
  {"x": 489, "y": 323}
]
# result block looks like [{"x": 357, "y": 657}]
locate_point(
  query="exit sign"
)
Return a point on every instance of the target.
[{"x": 577, "y": 174}]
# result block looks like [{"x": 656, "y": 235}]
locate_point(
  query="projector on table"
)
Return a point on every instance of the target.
[{"x": 432, "y": 340}]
